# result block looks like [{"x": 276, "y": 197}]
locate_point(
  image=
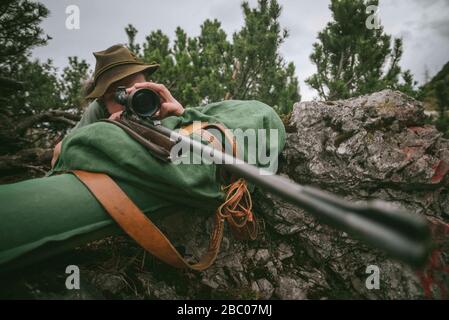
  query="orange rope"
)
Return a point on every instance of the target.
[{"x": 237, "y": 208}]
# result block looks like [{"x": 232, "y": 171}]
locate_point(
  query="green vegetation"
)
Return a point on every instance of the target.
[
  {"x": 353, "y": 60},
  {"x": 435, "y": 95}
]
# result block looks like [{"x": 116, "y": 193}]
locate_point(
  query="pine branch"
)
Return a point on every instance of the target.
[{"x": 49, "y": 116}]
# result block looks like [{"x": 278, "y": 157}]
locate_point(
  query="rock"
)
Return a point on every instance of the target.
[
  {"x": 157, "y": 289},
  {"x": 262, "y": 255},
  {"x": 272, "y": 270},
  {"x": 371, "y": 146},
  {"x": 290, "y": 289},
  {"x": 374, "y": 146},
  {"x": 263, "y": 288},
  {"x": 284, "y": 251},
  {"x": 110, "y": 283}
]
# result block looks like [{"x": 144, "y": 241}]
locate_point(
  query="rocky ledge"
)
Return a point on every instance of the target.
[{"x": 374, "y": 146}]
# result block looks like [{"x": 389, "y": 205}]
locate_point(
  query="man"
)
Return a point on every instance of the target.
[
  {"x": 118, "y": 66},
  {"x": 61, "y": 210}
]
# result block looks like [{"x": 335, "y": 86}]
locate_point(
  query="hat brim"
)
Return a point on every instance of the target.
[{"x": 118, "y": 73}]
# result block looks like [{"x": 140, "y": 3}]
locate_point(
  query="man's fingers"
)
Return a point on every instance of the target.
[
  {"x": 130, "y": 89},
  {"x": 169, "y": 104},
  {"x": 115, "y": 115},
  {"x": 162, "y": 112},
  {"x": 159, "y": 88}
]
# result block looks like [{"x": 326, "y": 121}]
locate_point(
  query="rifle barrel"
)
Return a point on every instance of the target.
[{"x": 404, "y": 236}]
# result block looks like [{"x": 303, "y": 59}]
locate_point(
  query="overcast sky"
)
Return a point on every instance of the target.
[{"x": 423, "y": 25}]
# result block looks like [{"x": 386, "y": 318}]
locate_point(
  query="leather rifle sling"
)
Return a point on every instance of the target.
[{"x": 139, "y": 227}]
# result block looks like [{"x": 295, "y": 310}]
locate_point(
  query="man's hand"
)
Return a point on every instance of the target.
[
  {"x": 169, "y": 105},
  {"x": 115, "y": 116}
]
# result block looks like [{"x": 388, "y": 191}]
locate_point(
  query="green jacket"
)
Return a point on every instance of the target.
[
  {"x": 40, "y": 217},
  {"x": 94, "y": 112}
]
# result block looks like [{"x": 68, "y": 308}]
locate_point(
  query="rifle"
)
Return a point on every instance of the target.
[{"x": 403, "y": 236}]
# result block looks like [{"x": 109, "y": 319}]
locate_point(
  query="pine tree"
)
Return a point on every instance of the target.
[
  {"x": 353, "y": 59},
  {"x": 19, "y": 33},
  {"x": 32, "y": 93},
  {"x": 72, "y": 83},
  {"x": 262, "y": 73},
  {"x": 435, "y": 96},
  {"x": 210, "y": 68}
]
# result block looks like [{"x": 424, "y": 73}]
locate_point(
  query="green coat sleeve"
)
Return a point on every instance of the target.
[{"x": 94, "y": 112}]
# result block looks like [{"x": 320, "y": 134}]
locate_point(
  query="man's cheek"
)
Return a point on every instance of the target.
[{"x": 114, "y": 107}]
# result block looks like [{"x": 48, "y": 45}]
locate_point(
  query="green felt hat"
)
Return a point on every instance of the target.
[{"x": 114, "y": 64}]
